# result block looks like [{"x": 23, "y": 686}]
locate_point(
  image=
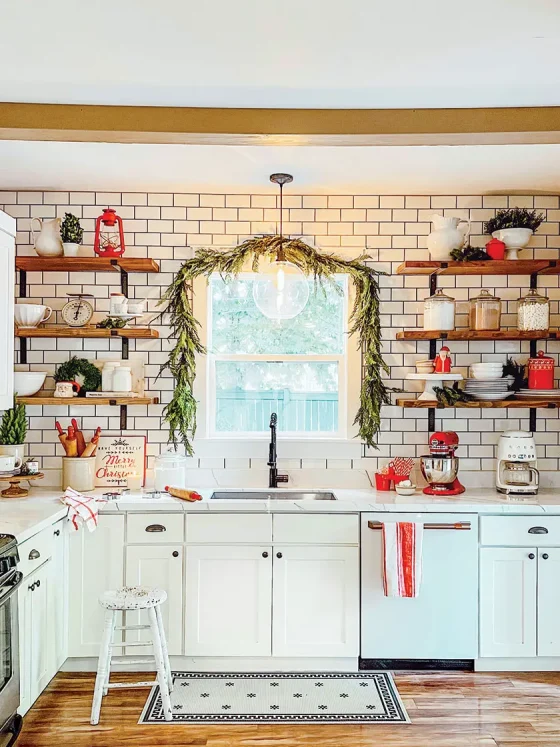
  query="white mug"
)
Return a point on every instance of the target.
[
  {"x": 65, "y": 389},
  {"x": 9, "y": 463}
]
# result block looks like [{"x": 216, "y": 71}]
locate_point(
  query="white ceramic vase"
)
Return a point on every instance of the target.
[
  {"x": 70, "y": 249},
  {"x": 514, "y": 239},
  {"x": 47, "y": 241},
  {"x": 448, "y": 234}
]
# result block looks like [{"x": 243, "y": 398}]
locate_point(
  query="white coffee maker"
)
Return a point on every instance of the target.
[{"x": 517, "y": 472}]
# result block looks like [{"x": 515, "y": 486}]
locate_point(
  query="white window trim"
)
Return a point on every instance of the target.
[{"x": 329, "y": 446}]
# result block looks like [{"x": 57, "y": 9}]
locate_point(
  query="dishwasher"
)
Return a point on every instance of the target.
[{"x": 441, "y": 623}]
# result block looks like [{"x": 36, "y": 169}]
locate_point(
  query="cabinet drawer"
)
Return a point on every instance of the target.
[
  {"x": 35, "y": 551},
  {"x": 334, "y": 529},
  {"x": 230, "y": 528},
  {"x": 155, "y": 528},
  {"x": 520, "y": 531}
]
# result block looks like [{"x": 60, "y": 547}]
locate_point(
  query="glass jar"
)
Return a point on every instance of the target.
[
  {"x": 122, "y": 379},
  {"x": 169, "y": 469},
  {"x": 485, "y": 312},
  {"x": 533, "y": 312},
  {"x": 439, "y": 312}
]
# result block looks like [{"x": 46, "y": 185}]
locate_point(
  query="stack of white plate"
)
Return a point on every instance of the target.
[
  {"x": 489, "y": 389},
  {"x": 538, "y": 393},
  {"x": 487, "y": 370}
]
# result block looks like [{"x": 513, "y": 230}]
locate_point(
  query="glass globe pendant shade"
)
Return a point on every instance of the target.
[{"x": 281, "y": 290}]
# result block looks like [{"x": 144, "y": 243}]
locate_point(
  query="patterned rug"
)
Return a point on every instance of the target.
[{"x": 205, "y": 697}]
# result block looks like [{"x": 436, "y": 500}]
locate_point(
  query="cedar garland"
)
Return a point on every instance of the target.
[{"x": 180, "y": 413}]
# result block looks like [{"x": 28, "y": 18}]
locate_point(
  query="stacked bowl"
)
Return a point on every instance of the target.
[{"x": 487, "y": 382}]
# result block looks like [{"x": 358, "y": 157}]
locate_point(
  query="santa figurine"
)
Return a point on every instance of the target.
[{"x": 442, "y": 362}]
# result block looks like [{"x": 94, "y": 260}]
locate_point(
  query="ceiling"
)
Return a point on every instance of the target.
[
  {"x": 282, "y": 53},
  {"x": 360, "y": 170}
]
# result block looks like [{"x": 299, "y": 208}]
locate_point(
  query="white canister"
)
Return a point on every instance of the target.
[
  {"x": 78, "y": 473},
  {"x": 118, "y": 304},
  {"x": 439, "y": 312},
  {"x": 122, "y": 379},
  {"x": 169, "y": 469},
  {"x": 107, "y": 375}
]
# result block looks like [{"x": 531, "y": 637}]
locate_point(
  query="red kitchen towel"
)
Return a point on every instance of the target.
[
  {"x": 82, "y": 509},
  {"x": 402, "y": 558}
]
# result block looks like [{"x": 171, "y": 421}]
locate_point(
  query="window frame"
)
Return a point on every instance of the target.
[{"x": 349, "y": 372}]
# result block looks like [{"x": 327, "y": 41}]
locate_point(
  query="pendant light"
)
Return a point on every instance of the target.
[{"x": 281, "y": 290}]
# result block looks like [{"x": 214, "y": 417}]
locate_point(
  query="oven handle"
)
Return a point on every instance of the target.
[{"x": 15, "y": 583}]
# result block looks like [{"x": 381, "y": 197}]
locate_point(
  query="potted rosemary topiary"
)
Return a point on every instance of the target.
[
  {"x": 71, "y": 234},
  {"x": 514, "y": 227},
  {"x": 13, "y": 430}
]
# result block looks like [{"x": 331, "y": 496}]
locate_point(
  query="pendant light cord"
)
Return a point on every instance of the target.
[{"x": 280, "y": 254}]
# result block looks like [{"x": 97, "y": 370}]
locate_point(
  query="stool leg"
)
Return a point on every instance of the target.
[
  {"x": 164, "y": 651},
  {"x": 106, "y": 686},
  {"x": 160, "y": 666},
  {"x": 102, "y": 673}
]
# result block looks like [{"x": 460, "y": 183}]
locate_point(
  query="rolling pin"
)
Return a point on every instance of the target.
[
  {"x": 61, "y": 436},
  {"x": 79, "y": 437},
  {"x": 184, "y": 494}
]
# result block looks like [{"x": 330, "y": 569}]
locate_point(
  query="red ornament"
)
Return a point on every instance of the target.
[
  {"x": 496, "y": 249},
  {"x": 442, "y": 363},
  {"x": 109, "y": 240}
]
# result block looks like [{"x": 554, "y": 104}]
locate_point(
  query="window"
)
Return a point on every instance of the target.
[{"x": 298, "y": 368}]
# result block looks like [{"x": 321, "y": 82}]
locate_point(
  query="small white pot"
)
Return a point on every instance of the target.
[
  {"x": 70, "y": 249},
  {"x": 514, "y": 239},
  {"x": 16, "y": 450}
]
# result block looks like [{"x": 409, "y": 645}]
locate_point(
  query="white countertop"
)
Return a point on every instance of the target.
[{"x": 24, "y": 517}]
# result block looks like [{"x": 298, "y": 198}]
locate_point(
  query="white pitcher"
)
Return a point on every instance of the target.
[
  {"x": 47, "y": 241},
  {"x": 447, "y": 235}
]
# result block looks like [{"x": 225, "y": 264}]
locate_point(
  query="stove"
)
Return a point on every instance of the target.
[{"x": 10, "y": 580}]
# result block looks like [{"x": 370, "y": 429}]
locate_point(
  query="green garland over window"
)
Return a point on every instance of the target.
[{"x": 180, "y": 413}]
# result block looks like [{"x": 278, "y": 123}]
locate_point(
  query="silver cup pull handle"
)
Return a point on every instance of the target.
[{"x": 34, "y": 555}]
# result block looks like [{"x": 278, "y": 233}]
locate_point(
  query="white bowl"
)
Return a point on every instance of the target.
[
  {"x": 486, "y": 375},
  {"x": 405, "y": 491},
  {"x": 27, "y": 383},
  {"x": 31, "y": 314}
]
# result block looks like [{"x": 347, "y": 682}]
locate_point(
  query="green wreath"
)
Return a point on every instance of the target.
[{"x": 82, "y": 371}]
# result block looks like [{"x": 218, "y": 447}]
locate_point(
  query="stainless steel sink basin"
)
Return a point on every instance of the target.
[{"x": 273, "y": 495}]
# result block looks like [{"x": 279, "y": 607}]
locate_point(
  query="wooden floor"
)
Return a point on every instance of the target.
[{"x": 447, "y": 710}]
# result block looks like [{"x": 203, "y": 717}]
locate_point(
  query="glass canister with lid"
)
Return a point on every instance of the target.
[
  {"x": 533, "y": 312},
  {"x": 485, "y": 312},
  {"x": 170, "y": 468},
  {"x": 439, "y": 312}
]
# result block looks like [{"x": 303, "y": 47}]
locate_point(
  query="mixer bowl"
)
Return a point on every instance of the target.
[{"x": 439, "y": 470}]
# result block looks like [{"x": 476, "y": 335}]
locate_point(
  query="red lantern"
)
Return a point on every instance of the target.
[{"x": 109, "y": 240}]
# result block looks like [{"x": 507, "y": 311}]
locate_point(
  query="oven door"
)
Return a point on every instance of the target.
[{"x": 9, "y": 649}]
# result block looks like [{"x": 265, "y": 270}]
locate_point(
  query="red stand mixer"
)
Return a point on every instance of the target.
[{"x": 440, "y": 466}]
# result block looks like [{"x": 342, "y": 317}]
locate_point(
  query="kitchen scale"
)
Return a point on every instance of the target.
[{"x": 77, "y": 312}]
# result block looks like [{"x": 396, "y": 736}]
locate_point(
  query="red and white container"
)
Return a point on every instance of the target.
[{"x": 541, "y": 372}]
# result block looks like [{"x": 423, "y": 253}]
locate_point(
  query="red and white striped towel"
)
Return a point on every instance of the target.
[
  {"x": 82, "y": 509},
  {"x": 402, "y": 558}
]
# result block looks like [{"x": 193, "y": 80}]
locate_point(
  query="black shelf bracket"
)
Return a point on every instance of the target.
[
  {"x": 23, "y": 349},
  {"x": 431, "y": 419},
  {"x": 123, "y": 423},
  {"x": 124, "y": 282},
  {"x": 532, "y": 419},
  {"x": 124, "y": 343},
  {"x": 23, "y": 283}
]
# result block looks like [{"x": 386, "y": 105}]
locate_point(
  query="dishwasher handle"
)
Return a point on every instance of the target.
[{"x": 458, "y": 526}]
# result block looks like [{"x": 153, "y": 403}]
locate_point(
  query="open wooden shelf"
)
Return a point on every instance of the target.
[
  {"x": 488, "y": 267},
  {"x": 89, "y": 331},
  {"x": 481, "y": 404},
  {"x": 468, "y": 334},
  {"x": 82, "y": 401},
  {"x": 86, "y": 264}
]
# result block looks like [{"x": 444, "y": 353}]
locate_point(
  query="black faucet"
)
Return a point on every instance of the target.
[{"x": 274, "y": 477}]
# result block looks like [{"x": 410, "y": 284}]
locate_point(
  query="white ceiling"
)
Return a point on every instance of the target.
[
  {"x": 292, "y": 53},
  {"x": 361, "y": 170}
]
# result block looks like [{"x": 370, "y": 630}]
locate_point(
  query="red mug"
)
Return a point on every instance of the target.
[{"x": 382, "y": 482}]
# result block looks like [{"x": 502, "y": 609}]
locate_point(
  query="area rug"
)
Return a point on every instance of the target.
[{"x": 205, "y": 697}]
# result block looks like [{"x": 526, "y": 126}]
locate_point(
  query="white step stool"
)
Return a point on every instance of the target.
[{"x": 125, "y": 600}]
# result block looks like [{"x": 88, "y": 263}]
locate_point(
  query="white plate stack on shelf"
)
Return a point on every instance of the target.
[
  {"x": 488, "y": 383},
  {"x": 538, "y": 394}
]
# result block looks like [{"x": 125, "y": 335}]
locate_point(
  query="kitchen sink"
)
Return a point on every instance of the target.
[{"x": 273, "y": 495}]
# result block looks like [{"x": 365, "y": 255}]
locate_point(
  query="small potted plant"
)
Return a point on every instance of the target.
[
  {"x": 514, "y": 227},
  {"x": 13, "y": 430},
  {"x": 71, "y": 234}
]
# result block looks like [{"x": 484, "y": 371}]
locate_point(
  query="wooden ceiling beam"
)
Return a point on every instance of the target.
[{"x": 220, "y": 126}]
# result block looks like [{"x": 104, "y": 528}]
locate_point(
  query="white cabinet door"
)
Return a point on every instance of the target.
[
  {"x": 315, "y": 601},
  {"x": 508, "y": 601},
  {"x": 159, "y": 566},
  {"x": 96, "y": 564},
  {"x": 59, "y": 565},
  {"x": 36, "y": 631},
  {"x": 228, "y": 601},
  {"x": 548, "y": 635},
  {"x": 7, "y": 281}
]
